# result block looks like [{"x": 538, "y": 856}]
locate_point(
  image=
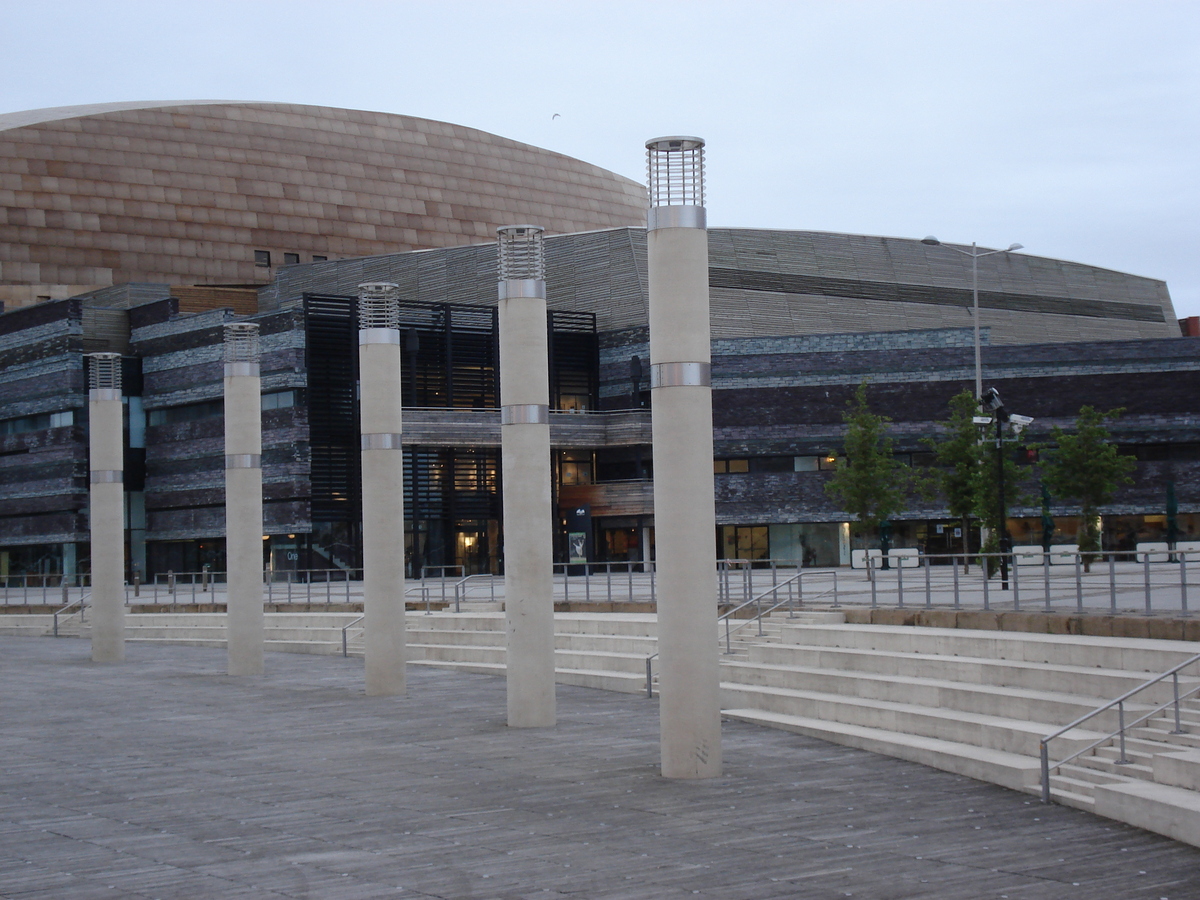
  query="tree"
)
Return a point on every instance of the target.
[
  {"x": 1087, "y": 467},
  {"x": 869, "y": 482},
  {"x": 958, "y": 456}
]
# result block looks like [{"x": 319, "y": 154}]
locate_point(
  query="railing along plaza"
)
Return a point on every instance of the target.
[{"x": 1057, "y": 580}]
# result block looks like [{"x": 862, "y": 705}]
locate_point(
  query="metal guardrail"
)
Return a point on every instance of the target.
[
  {"x": 1119, "y": 703},
  {"x": 1156, "y": 580},
  {"x": 795, "y": 580}
]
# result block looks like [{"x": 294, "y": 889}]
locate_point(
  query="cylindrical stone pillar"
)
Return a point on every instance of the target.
[
  {"x": 107, "y": 506},
  {"x": 684, "y": 509},
  {"x": 243, "y": 500},
  {"x": 525, "y": 461},
  {"x": 382, "y": 487}
]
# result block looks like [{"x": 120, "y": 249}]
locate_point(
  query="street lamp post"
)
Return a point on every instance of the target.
[
  {"x": 1002, "y": 416},
  {"x": 975, "y": 257}
]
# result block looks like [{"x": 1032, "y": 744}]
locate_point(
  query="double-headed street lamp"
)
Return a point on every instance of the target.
[
  {"x": 993, "y": 404},
  {"x": 975, "y": 257}
]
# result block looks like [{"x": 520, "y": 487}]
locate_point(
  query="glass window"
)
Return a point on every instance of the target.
[
  {"x": 291, "y": 259},
  {"x": 576, "y": 467},
  {"x": 806, "y": 463},
  {"x": 319, "y": 258},
  {"x": 262, "y": 258}
]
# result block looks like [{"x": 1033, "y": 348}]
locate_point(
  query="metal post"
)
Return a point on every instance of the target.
[
  {"x": 983, "y": 569},
  {"x": 954, "y": 566},
  {"x": 1175, "y": 686},
  {"x": 1078, "y": 583},
  {"x": 900, "y": 581},
  {"x": 871, "y": 578},
  {"x": 1112, "y": 581},
  {"x": 1183, "y": 607},
  {"x": 1121, "y": 721},
  {"x": 1016, "y": 588},
  {"x": 928, "y": 594},
  {"x": 1044, "y": 751},
  {"x": 1146, "y": 568},
  {"x": 1046, "y": 576},
  {"x": 649, "y": 679}
]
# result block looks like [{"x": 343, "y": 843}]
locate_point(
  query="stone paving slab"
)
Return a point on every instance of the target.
[{"x": 164, "y": 778}]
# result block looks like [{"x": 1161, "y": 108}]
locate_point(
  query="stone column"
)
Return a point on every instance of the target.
[
  {"x": 382, "y": 487},
  {"x": 243, "y": 500},
  {"x": 525, "y": 460},
  {"x": 107, "y": 506},
  {"x": 684, "y": 510}
]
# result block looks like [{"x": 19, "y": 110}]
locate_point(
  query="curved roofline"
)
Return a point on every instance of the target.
[{"x": 58, "y": 113}]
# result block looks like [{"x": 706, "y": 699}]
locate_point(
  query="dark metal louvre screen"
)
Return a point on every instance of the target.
[{"x": 332, "y": 362}]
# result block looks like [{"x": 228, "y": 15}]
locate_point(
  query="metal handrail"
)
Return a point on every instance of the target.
[
  {"x": 1044, "y": 743},
  {"x": 347, "y": 627},
  {"x": 460, "y": 588},
  {"x": 650, "y": 676},
  {"x": 761, "y": 612},
  {"x": 78, "y": 602},
  {"x": 417, "y": 588}
]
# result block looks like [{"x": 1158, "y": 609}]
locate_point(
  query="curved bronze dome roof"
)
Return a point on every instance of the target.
[{"x": 203, "y": 191}]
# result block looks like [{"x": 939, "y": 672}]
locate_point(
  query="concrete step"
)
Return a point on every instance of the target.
[
  {"x": 1009, "y": 769},
  {"x": 1128, "y": 654},
  {"x": 1006, "y": 702},
  {"x": 1087, "y": 681},
  {"x": 1178, "y": 769},
  {"x": 1162, "y": 808},
  {"x": 1009, "y": 735}
]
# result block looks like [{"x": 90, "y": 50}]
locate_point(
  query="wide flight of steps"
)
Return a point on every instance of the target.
[
  {"x": 971, "y": 702},
  {"x": 977, "y": 703}
]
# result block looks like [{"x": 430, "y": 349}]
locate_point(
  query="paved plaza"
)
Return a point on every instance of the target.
[{"x": 164, "y": 778}]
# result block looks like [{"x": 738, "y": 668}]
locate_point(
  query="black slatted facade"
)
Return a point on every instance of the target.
[{"x": 332, "y": 362}]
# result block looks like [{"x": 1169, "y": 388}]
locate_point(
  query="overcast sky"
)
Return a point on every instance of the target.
[{"x": 1070, "y": 127}]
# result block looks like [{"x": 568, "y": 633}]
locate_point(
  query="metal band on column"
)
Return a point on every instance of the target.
[
  {"x": 243, "y": 461},
  {"x": 525, "y": 414},
  {"x": 388, "y": 441},
  {"x": 681, "y": 374}
]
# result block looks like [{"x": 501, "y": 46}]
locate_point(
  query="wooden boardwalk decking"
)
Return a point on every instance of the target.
[{"x": 163, "y": 778}]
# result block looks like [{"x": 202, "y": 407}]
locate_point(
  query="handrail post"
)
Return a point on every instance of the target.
[
  {"x": 871, "y": 578},
  {"x": 1046, "y": 576},
  {"x": 649, "y": 678},
  {"x": 1112, "y": 581},
  {"x": 1121, "y": 722},
  {"x": 728, "y": 647},
  {"x": 900, "y": 581},
  {"x": 1183, "y": 607},
  {"x": 957, "y": 593},
  {"x": 928, "y": 589},
  {"x": 1146, "y": 568},
  {"x": 1016, "y": 583},
  {"x": 983, "y": 570},
  {"x": 1044, "y": 751},
  {"x": 345, "y": 651},
  {"x": 1079, "y": 582},
  {"x": 1175, "y": 686}
]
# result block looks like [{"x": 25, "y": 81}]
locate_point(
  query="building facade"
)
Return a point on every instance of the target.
[{"x": 794, "y": 335}]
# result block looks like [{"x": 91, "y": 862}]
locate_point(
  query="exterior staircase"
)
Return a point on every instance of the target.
[{"x": 972, "y": 702}]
